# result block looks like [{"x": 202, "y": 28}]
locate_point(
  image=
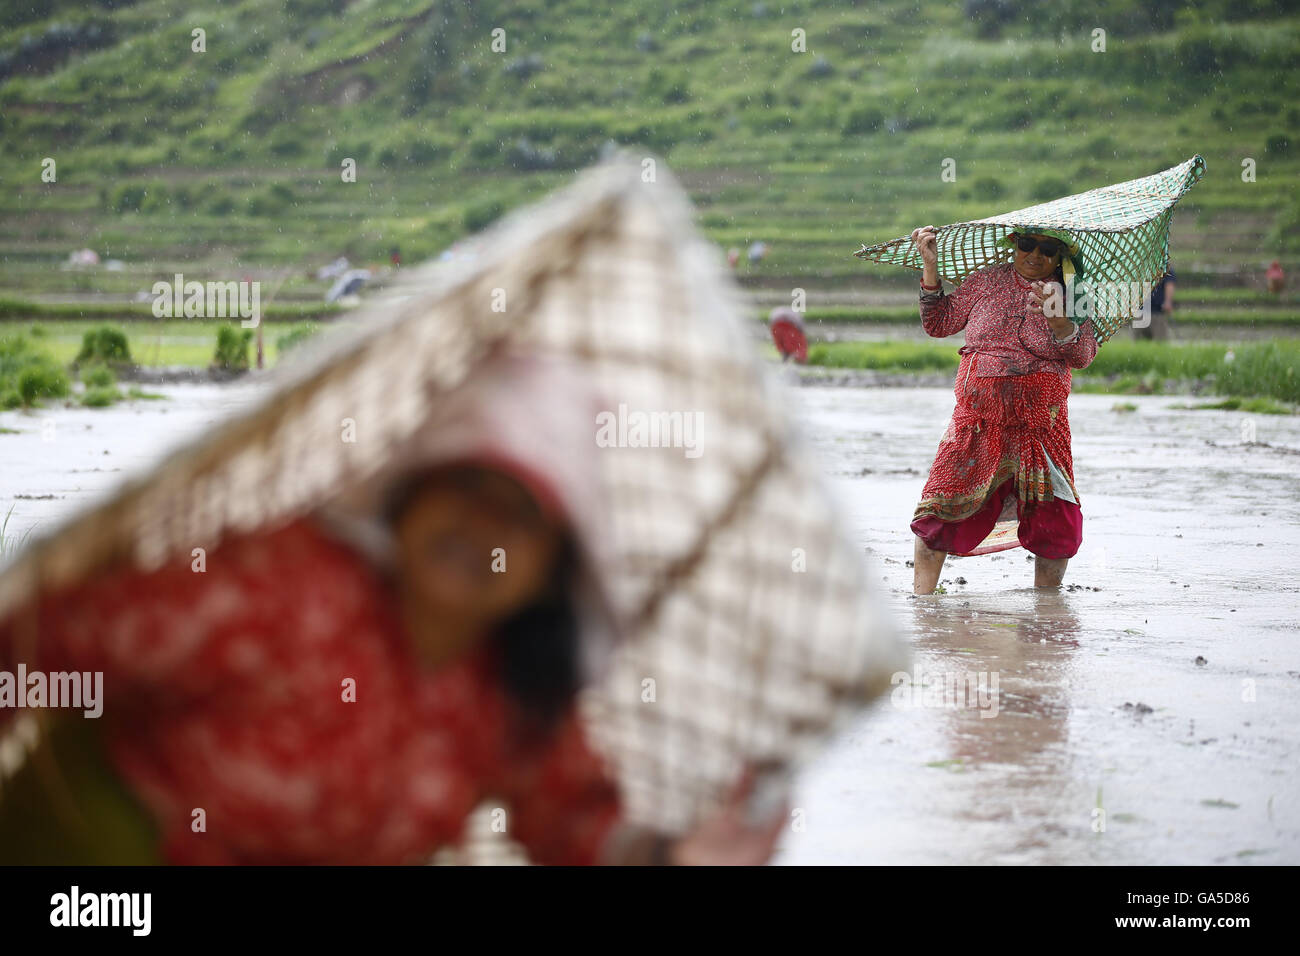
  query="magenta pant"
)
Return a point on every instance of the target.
[{"x": 1051, "y": 529}]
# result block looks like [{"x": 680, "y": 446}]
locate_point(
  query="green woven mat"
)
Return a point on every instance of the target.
[{"x": 1122, "y": 233}]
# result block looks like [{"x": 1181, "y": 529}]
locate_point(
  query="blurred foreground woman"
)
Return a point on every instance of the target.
[{"x": 348, "y": 687}]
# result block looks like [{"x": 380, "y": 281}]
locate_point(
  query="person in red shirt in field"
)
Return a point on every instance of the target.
[
  {"x": 1275, "y": 277},
  {"x": 1005, "y": 457}
]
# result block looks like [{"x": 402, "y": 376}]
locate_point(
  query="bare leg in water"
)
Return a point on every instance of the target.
[
  {"x": 1048, "y": 572},
  {"x": 928, "y": 565}
]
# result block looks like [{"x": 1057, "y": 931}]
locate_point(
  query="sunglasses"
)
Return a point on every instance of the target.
[{"x": 1049, "y": 247}]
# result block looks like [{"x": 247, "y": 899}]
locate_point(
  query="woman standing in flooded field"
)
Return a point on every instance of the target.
[{"x": 1004, "y": 463}]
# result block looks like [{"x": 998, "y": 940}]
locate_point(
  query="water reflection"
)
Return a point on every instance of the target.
[{"x": 996, "y": 672}]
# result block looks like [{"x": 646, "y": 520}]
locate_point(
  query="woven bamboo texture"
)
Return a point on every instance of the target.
[{"x": 1122, "y": 232}]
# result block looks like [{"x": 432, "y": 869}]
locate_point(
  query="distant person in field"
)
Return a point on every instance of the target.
[
  {"x": 1276, "y": 277},
  {"x": 1162, "y": 307},
  {"x": 1004, "y": 471},
  {"x": 788, "y": 334}
]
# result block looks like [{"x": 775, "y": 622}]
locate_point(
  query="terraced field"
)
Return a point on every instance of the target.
[{"x": 229, "y": 160}]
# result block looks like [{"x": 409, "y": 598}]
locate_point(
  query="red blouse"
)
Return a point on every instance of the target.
[
  {"x": 226, "y": 690},
  {"x": 991, "y": 306}
]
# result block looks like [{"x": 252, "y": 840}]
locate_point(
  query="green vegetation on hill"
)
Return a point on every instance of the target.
[{"x": 234, "y": 155}]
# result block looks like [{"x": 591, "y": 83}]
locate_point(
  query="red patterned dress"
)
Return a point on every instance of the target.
[
  {"x": 227, "y": 690},
  {"x": 1003, "y": 474}
]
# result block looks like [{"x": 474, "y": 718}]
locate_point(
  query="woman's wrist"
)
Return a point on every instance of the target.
[
  {"x": 1067, "y": 333},
  {"x": 930, "y": 274}
]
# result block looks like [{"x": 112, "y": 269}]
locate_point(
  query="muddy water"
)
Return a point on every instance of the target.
[
  {"x": 57, "y": 459},
  {"x": 1100, "y": 703},
  {"x": 1109, "y": 742}
]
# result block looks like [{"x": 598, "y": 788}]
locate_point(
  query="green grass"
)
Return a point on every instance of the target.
[
  {"x": 849, "y": 314},
  {"x": 1266, "y": 369},
  {"x": 1146, "y": 384},
  {"x": 295, "y": 337},
  {"x": 158, "y": 342},
  {"x": 98, "y": 376},
  {"x": 8, "y": 543},
  {"x": 29, "y": 373},
  {"x": 100, "y": 381},
  {"x": 1260, "y": 406},
  {"x": 12, "y": 309},
  {"x": 138, "y": 394},
  {"x": 1236, "y": 297},
  {"x": 100, "y": 396},
  {"x": 231, "y": 159},
  {"x": 34, "y": 359},
  {"x": 885, "y": 356},
  {"x": 234, "y": 345},
  {"x": 956, "y": 765},
  {"x": 105, "y": 343}
]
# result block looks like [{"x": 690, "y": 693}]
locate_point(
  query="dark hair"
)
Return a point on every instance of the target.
[{"x": 538, "y": 648}]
